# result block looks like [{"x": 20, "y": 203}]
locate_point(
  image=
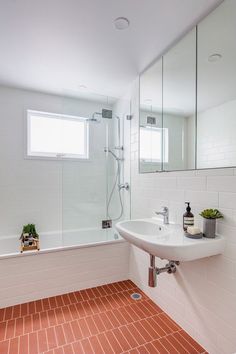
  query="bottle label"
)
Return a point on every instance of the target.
[{"x": 188, "y": 221}]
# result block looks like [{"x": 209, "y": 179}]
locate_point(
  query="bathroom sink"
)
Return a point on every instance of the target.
[{"x": 168, "y": 241}]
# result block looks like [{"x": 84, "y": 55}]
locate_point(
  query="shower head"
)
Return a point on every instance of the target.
[{"x": 107, "y": 113}]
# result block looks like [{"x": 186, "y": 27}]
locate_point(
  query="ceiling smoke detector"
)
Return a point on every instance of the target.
[
  {"x": 121, "y": 23},
  {"x": 213, "y": 58}
]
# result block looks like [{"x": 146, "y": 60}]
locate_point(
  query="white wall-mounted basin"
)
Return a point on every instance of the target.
[{"x": 168, "y": 241}]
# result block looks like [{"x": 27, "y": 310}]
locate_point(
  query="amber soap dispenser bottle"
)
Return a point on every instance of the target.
[{"x": 188, "y": 217}]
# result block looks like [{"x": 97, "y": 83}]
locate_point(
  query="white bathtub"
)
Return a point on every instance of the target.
[
  {"x": 57, "y": 241},
  {"x": 66, "y": 262}
]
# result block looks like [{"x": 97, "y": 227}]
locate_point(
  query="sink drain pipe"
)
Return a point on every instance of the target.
[{"x": 154, "y": 271}]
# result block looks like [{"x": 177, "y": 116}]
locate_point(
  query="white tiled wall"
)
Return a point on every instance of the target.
[
  {"x": 32, "y": 277},
  {"x": 201, "y": 296},
  {"x": 51, "y": 194}
]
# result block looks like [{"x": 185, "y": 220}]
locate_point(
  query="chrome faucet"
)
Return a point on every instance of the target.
[{"x": 165, "y": 214}]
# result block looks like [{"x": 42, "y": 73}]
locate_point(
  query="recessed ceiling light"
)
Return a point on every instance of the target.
[
  {"x": 121, "y": 23},
  {"x": 213, "y": 58}
]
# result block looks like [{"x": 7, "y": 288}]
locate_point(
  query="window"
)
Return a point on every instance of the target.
[
  {"x": 151, "y": 144},
  {"x": 56, "y": 136}
]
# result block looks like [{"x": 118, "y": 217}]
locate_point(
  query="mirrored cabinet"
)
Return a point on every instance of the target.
[{"x": 188, "y": 99}]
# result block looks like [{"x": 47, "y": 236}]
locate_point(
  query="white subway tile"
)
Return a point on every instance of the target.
[
  {"x": 227, "y": 200},
  {"x": 206, "y": 199},
  {"x": 221, "y": 183},
  {"x": 191, "y": 183}
]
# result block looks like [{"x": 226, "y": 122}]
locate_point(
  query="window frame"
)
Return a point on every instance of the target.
[{"x": 53, "y": 156}]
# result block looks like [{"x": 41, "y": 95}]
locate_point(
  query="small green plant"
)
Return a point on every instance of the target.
[
  {"x": 211, "y": 214},
  {"x": 30, "y": 229}
]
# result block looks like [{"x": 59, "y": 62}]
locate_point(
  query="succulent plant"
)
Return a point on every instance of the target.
[
  {"x": 30, "y": 229},
  {"x": 211, "y": 214}
]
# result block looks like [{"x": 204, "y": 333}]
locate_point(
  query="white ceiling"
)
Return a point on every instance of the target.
[{"x": 57, "y": 45}]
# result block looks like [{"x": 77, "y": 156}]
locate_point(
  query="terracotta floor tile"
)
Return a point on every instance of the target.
[
  {"x": 32, "y": 308},
  {"x": 51, "y": 338},
  {"x": 177, "y": 344},
  {"x": 52, "y": 318},
  {"x": 113, "y": 319},
  {"x": 84, "y": 328},
  {"x": 125, "y": 345},
  {"x": 16, "y": 312},
  {"x": 60, "y": 335},
  {"x": 28, "y": 325},
  {"x": 100, "y": 325},
  {"x": 68, "y": 349},
  {"x": 150, "y": 329},
  {"x": 97, "y": 348},
  {"x": 162, "y": 325},
  {"x": 101, "y": 290},
  {"x": 106, "y": 346},
  {"x": 73, "y": 311},
  {"x": 4, "y": 346},
  {"x": 113, "y": 342},
  {"x": 59, "y": 315},
  {"x": 10, "y": 330},
  {"x": 151, "y": 349},
  {"x": 192, "y": 342},
  {"x": 58, "y": 351},
  {"x": 87, "y": 308},
  {"x": 76, "y": 330},
  {"x": 19, "y": 327},
  {"x": 135, "y": 333},
  {"x": 35, "y": 322},
  {"x": 2, "y": 314},
  {"x": 8, "y": 313},
  {"x": 24, "y": 344},
  {"x": 42, "y": 341},
  {"x": 86, "y": 346},
  {"x": 44, "y": 319},
  {"x": 68, "y": 333},
  {"x": 171, "y": 349},
  {"x": 170, "y": 323},
  {"x": 92, "y": 326},
  {"x": 128, "y": 336},
  {"x": 158, "y": 346},
  {"x": 46, "y": 305},
  {"x": 13, "y": 346},
  {"x": 66, "y": 313},
  {"x": 52, "y": 302},
  {"x": 38, "y": 305},
  {"x": 3, "y": 327},
  {"x": 187, "y": 344},
  {"x": 96, "y": 292},
  {"x": 78, "y": 349},
  {"x": 105, "y": 320},
  {"x": 142, "y": 330},
  {"x": 33, "y": 343},
  {"x": 100, "y": 320}
]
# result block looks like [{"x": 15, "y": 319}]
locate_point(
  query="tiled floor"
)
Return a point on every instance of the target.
[{"x": 99, "y": 320}]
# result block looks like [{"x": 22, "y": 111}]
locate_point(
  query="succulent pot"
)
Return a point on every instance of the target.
[{"x": 209, "y": 228}]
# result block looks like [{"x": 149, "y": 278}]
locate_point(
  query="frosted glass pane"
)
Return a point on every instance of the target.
[
  {"x": 45, "y": 134},
  {"x": 52, "y": 136}
]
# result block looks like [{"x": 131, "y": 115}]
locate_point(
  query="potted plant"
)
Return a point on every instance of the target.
[
  {"x": 29, "y": 234},
  {"x": 209, "y": 221}
]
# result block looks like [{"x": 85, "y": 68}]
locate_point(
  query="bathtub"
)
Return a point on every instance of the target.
[
  {"x": 66, "y": 262},
  {"x": 57, "y": 241}
]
